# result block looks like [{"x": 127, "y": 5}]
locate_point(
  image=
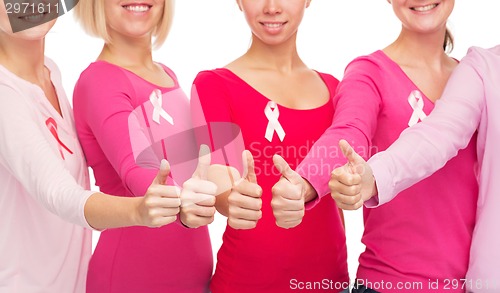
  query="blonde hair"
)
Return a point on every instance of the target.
[{"x": 92, "y": 17}]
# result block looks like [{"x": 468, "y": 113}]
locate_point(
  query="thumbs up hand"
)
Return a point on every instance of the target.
[
  {"x": 245, "y": 201},
  {"x": 288, "y": 201},
  {"x": 352, "y": 184},
  {"x": 198, "y": 194},
  {"x": 160, "y": 205}
]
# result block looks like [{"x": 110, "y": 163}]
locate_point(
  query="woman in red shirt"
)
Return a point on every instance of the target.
[{"x": 271, "y": 95}]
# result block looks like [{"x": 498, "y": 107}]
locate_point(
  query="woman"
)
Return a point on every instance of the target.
[
  {"x": 409, "y": 243},
  {"x": 468, "y": 105},
  {"x": 128, "y": 112},
  {"x": 267, "y": 93},
  {"x": 43, "y": 174}
]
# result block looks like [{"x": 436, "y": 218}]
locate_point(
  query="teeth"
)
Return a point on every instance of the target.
[
  {"x": 137, "y": 8},
  {"x": 36, "y": 17},
  {"x": 425, "y": 8},
  {"x": 273, "y": 25}
]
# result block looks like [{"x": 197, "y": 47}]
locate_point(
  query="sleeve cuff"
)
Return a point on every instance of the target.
[{"x": 383, "y": 179}]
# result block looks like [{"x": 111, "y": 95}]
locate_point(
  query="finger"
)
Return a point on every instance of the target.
[
  {"x": 241, "y": 224},
  {"x": 352, "y": 157},
  {"x": 244, "y": 214},
  {"x": 200, "y": 211},
  {"x": 204, "y": 159},
  {"x": 285, "y": 189},
  {"x": 235, "y": 199},
  {"x": 168, "y": 191},
  {"x": 162, "y": 221},
  {"x": 344, "y": 178},
  {"x": 206, "y": 200},
  {"x": 163, "y": 202},
  {"x": 161, "y": 177},
  {"x": 350, "y": 200},
  {"x": 249, "y": 166},
  {"x": 286, "y": 171},
  {"x": 201, "y": 186},
  {"x": 249, "y": 189},
  {"x": 288, "y": 224},
  {"x": 284, "y": 204},
  {"x": 347, "y": 207},
  {"x": 164, "y": 212}
]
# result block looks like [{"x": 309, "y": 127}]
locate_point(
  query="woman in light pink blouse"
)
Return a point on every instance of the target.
[{"x": 470, "y": 103}]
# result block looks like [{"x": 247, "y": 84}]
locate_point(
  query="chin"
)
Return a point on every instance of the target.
[{"x": 35, "y": 33}]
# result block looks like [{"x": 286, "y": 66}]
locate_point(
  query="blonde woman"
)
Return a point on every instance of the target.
[{"x": 126, "y": 106}]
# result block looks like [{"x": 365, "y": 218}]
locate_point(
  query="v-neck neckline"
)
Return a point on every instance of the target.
[
  {"x": 41, "y": 97},
  {"x": 395, "y": 65}
]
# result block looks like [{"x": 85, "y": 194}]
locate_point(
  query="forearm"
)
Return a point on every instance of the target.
[{"x": 104, "y": 211}]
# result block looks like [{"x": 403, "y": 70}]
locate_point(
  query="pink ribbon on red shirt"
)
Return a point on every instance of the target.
[
  {"x": 52, "y": 126},
  {"x": 272, "y": 114}
]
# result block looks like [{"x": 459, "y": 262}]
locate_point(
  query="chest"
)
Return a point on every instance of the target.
[
  {"x": 299, "y": 91},
  {"x": 268, "y": 128}
]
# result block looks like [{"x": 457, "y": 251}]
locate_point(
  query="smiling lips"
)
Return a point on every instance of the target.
[
  {"x": 425, "y": 8},
  {"x": 137, "y": 7},
  {"x": 33, "y": 18}
]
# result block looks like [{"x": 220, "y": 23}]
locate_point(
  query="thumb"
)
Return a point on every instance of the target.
[
  {"x": 204, "y": 159},
  {"x": 285, "y": 170},
  {"x": 349, "y": 153},
  {"x": 249, "y": 167},
  {"x": 161, "y": 177}
]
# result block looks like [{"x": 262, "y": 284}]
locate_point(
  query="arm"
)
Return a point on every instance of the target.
[
  {"x": 103, "y": 101},
  {"x": 426, "y": 147},
  {"x": 357, "y": 104},
  {"x": 239, "y": 196},
  {"x": 211, "y": 111},
  {"x": 30, "y": 158}
]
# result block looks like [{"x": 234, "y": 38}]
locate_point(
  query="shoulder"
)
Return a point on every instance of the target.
[
  {"x": 12, "y": 90},
  {"x": 101, "y": 71},
  {"x": 218, "y": 75},
  {"x": 375, "y": 62},
  {"x": 478, "y": 57},
  {"x": 103, "y": 76},
  {"x": 375, "y": 70},
  {"x": 330, "y": 81}
]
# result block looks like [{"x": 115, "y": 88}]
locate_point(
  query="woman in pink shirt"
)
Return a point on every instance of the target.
[
  {"x": 470, "y": 103},
  {"x": 46, "y": 208},
  {"x": 410, "y": 245},
  {"x": 268, "y": 97},
  {"x": 129, "y": 113}
]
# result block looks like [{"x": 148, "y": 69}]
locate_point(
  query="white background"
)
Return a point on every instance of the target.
[{"x": 210, "y": 33}]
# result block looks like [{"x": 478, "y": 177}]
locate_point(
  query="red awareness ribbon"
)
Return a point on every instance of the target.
[{"x": 52, "y": 126}]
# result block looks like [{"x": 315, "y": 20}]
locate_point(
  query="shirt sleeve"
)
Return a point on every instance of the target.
[
  {"x": 103, "y": 99},
  {"x": 356, "y": 107},
  {"x": 29, "y": 157},
  {"x": 426, "y": 147},
  {"x": 211, "y": 109}
]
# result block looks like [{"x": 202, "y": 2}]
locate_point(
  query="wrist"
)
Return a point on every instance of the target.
[
  {"x": 135, "y": 214},
  {"x": 309, "y": 192}
]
